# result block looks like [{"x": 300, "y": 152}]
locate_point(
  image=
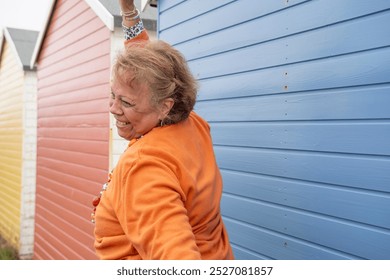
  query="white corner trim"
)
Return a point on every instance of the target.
[
  {"x": 12, "y": 46},
  {"x": 102, "y": 12},
  {"x": 41, "y": 34},
  {"x": 144, "y": 3},
  {"x": 1, "y": 41}
]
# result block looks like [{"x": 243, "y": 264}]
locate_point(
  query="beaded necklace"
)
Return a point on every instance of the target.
[{"x": 96, "y": 200}]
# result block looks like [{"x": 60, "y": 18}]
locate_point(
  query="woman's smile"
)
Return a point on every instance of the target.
[{"x": 121, "y": 124}]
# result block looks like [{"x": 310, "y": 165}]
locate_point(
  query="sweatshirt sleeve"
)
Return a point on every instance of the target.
[
  {"x": 135, "y": 34},
  {"x": 154, "y": 216}
]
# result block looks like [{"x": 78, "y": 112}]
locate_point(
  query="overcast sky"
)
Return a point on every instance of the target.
[{"x": 24, "y": 14}]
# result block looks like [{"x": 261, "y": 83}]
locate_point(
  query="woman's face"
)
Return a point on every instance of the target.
[{"x": 131, "y": 107}]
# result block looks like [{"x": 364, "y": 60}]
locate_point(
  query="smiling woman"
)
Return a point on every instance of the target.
[{"x": 162, "y": 200}]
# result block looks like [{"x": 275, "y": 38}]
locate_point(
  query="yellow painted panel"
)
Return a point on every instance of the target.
[{"x": 11, "y": 137}]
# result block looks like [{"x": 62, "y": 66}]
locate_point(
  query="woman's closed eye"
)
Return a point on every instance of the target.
[
  {"x": 123, "y": 102},
  {"x": 127, "y": 104}
]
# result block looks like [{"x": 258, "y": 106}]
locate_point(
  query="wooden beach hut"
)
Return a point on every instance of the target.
[{"x": 18, "y": 116}]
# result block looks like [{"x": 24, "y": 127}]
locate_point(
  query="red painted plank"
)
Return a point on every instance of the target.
[
  {"x": 49, "y": 96},
  {"x": 63, "y": 13},
  {"x": 84, "y": 120},
  {"x": 78, "y": 55},
  {"x": 74, "y": 192},
  {"x": 88, "y": 30},
  {"x": 92, "y": 66},
  {"x": 49, "y": 176},
  {"x": 66, "y": 217},
  {"x": 77, "y": 109},
  {"x": 72, "y": 48},
  {"x": 91, "y": 80},
  {"x": 85, "y": 159},
  {"x": 80, "y": 133},
  {"x": 64, "y": 28},
  {"x": 47, "y": 251},
  {"x": 76, "y": 170},
  {"x": 90, "y": 147}
]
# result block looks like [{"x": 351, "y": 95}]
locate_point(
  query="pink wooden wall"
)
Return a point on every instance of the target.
[{"x": 73, "y": 130}]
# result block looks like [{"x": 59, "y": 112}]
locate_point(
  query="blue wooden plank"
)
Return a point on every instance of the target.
[
  {"x": 346, "y": 37},
  {"x": 278, "y": 19},
  {"x": 362, "y": 172},
  {"x": 353, "y": 239},
  {"x": 188, "y": 10},
  {"x": 361, "y": 137},
  {"x": 164, "y": 5},
  {"x": 338, "y": 104},
  {"x": 241, "y": 253},
  {"x": 358, "y": 70},
  {"x": 278, "y": 246},
  {"x": 230, "y": 15},
  {"x": 346, "y": 203}
]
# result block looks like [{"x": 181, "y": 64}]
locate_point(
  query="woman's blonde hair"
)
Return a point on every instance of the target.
[{"x": 164, "y": 70}]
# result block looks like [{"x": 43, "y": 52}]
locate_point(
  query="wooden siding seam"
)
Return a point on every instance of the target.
[
  {"x": 60, "y": 94},
  {"x": 69, "y": 222},
  {"x": 290, "y": 93},
  {"x": 194, "y": 17},
  {"x": 71, "y": 49},
  {"x": 316, "y": 184},
  {"x": 59, "y": 60},
  {"x": 287, "y": 64},
  {"x": 93, "y": 183},
  {"x": 287, "y": 151},
  {"x": 94, "y": 186},
  {"x": 64, "y": 24},
  {"x": 318, "y": 215},
  {"x": 237, "y": 246},
  {"x": 74, "y": 68},
  {"x": 63, "y": 209},
  {"x": 50, "y": 159},
  {"x": 64, "y": 12},
  {"x": 169, "y": 7},
  {"x": 70, "y": 114},
  {"x": 102, "y": 82},
  {"x": 47, "y": 244},
  {"x": 314, "y": 122},
  {"x": 288, "y": 238}
]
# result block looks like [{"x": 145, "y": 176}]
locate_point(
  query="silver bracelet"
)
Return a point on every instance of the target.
[
  {"x": 133, "y": 31},
  {"x": 131, "y": 14},
  {"x": 128, "y": 13}
]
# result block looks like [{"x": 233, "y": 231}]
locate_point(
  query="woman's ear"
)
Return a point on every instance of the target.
[{"x": 166, "y": 106}]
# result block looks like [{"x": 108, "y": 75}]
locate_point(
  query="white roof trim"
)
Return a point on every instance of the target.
[
  {"x": 41, "y": 35},
  {"x": 102, "y": 13},
  {"x": 12, "y": 45},
  {"x": 144, "y": 3},
  {"x": 1, "y": 41}
]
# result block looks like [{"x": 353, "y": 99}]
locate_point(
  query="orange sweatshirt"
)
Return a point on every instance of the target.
[{"x": 163, "y": 201}]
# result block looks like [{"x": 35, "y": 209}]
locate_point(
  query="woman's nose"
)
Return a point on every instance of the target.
[{"x": 114, "y": 107}]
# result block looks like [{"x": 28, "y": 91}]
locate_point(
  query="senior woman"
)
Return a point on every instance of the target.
[{"x": 162, "y": 200}]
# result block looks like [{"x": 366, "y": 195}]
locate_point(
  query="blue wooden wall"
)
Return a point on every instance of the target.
[{"x": 297, "y": 93}]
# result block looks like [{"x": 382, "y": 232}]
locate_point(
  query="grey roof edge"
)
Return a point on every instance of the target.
[{"x": 22, "y": 43}]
